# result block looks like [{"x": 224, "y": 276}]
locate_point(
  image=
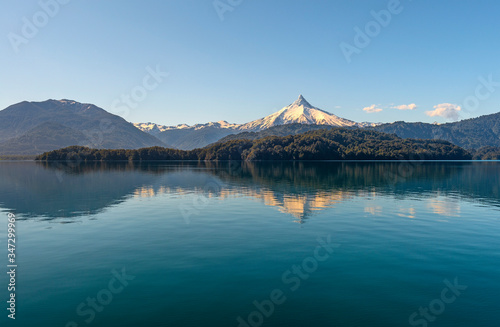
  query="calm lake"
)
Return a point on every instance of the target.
[{"x": 253, "y": 244}]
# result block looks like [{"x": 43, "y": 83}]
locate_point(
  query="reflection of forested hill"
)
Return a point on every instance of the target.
[
  {"x": 61, "y": 191},
  {"x": 296, "y": 188},
  {"x": 55, "y": 190}
]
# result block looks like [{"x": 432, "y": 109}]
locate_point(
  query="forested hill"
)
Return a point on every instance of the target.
[{"x": 335, "y": 144}]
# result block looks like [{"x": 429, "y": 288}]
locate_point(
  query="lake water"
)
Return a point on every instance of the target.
[{"x": 253, "y": 244}]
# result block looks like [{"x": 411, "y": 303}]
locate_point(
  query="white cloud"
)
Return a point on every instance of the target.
[
  {"x": 446, "y": 110},
  {"x": 410, "y": 106},
  {"x": 372, "y": 109}
]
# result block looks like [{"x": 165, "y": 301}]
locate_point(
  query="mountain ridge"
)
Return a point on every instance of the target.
[
  {"x": 471, "y": 133},
  {"x": 29, "y": 127}
]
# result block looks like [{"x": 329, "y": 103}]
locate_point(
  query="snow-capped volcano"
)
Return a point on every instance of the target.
[{"x": 300, "y": 112}]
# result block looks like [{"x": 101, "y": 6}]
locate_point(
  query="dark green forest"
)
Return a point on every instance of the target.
[{"x": 336, "y": 144}]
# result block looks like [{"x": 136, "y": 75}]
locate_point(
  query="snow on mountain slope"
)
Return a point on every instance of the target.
[
  {"x": 301, "y": 112},
  {"x": 220, "y": 124},
  {"x": 151, "y": 128},
  {"x": 155, "y": 129}
]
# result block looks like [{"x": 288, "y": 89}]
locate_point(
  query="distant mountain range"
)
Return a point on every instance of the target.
[
  {"x": 187, "y": 137},
  {"x": 30, "y": 128}
]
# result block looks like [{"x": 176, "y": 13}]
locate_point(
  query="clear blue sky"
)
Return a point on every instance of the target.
[{"x": 257, "y": 60}]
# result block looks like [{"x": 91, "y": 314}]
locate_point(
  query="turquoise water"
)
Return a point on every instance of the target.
[{"x": 240, "y": 244}]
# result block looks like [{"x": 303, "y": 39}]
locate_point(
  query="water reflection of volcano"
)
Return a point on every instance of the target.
[{"x": 300, "y": 206}]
